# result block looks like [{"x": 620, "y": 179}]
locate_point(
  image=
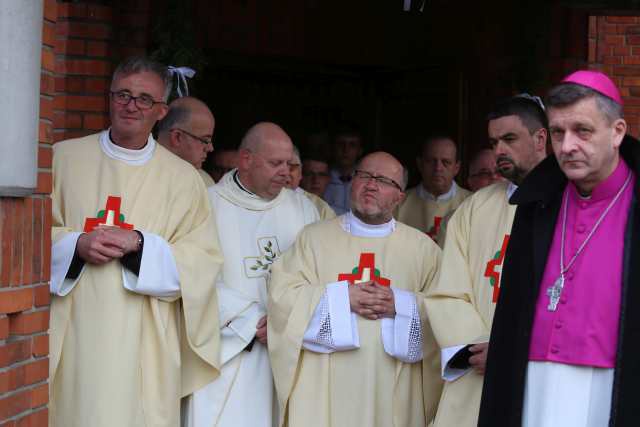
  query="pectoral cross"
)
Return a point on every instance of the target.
[{"x": 554, "y": 292}]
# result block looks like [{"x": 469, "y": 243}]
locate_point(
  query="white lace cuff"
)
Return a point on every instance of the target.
[
  {"x": 333, "y": 326},
  {"x": 402, "y": 335}
]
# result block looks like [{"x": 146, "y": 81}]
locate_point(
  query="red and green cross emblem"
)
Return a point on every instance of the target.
[
  {"x": 433, "y": 232},
  {"x": 491, "y": 271},
  {"x": 364, "y": 271},
  {"x": 109, "y": 216}
]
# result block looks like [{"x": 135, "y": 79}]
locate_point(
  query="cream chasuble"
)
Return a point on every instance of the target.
[
  {"x": 462, "y": 301},
  {"x": 324, "y": 210},
  {"x": 253, "y": 232},
  {"x": 344, "y": 370},
  {"x": 206, "y": 178},
  {"x": 425, "y": 212},
  {"x": 115, "y": 352}
]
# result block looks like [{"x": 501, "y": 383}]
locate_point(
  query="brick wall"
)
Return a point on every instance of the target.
[
  {"x": 614, "y": 48},
  {"x": 25, "y": 225}
]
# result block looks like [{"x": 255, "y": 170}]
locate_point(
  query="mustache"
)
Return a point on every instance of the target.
[{"x": 504, "y": 159}]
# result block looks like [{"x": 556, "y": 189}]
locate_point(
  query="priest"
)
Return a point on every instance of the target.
[
  {"x": 565, "y": 330},
  {"x": 132, "y": 234},
  {"x": 257, "y": 219},
  {"x": 461, "y": 304},
  {"x": 349, "y": 341},
  {"x": 187, "y": 131},
  {"x": 437, "y": 195}
]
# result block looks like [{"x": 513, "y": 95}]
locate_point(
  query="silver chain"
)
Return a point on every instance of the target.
[{"x": 564, "y": 269}]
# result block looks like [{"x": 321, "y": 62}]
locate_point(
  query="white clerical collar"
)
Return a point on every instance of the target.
[
  {"x": 511, "y": 189},
  {"x": 131, "y": 157},
  {"x": 425, "y": 195},
  {"x": 235, "y": 192},
  {"x": 354, "y": 226}
]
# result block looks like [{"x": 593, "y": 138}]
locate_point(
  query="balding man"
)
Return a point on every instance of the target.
[
  {"x": 258, "y": 218},
  {"x": 438, "y": 194},
  {"x": 347, "y": 327},
  {"x": 187, "y": 131}
]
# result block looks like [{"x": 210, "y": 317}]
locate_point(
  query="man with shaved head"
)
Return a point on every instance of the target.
[
  {"x": 187, "y": 131},
  {"x": 349, "y": 340},
  {"x": 257, "y": 219}
]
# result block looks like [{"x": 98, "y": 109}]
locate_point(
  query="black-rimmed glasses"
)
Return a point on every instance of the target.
[
  {"x": 205, "y": 141},
  {"x": 143, "y": 102},
  {"x": 383, "y": 180}
]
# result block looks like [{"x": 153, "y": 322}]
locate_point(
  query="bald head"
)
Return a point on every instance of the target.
[
  {"x": 264, "y": 134},
  {"x": 263, "y": 159},
  {"x": 187, "y": 130},
  {"x": 377, "y": 188}
]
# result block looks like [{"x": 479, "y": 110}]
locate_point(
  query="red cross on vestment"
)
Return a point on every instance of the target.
[
  {"x": 367, "y": 263},
  {"x": 110, "y": 216},
  {"x": 433, "y": 233},
  {"x": 491, "y": 272}
]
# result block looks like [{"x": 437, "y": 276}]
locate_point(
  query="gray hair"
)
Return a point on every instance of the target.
[
  {"x": 177, "y": 116},
  {"x": 566, "y": 94},
  {"x": 296, "y": 153},
  {"x": 140, "y": 64}
]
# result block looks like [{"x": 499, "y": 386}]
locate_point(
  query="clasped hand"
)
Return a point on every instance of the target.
[
  {"x": 371, "y": 300},
  {"x": 105, "y": 243}
]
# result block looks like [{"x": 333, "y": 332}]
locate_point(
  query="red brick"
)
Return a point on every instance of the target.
[
  {"x": 16, "y": 244},
  {"x": 36, "y": 371},
  {"x": 27, "y": 241},
  {"x": 45, "y": 155},
  {"x": 15, "y": 404},
  {"x": 622, "y": 19},
  {"x": 41, "y": 296},
  {"x": 72, "y": 10},
  {"x": 50, "y": 10},
  {"x": 6, "y": 221},
  {"x": 45, "y": 183},
  {"x": 34, "y": 419},
  {"x": 606, "y": 28},
  {"x": 95, "y": 48},
  {"x": 48, "y": 33},
  {"x": 66, "y": 46},
  {"x": 40, "y": 345},
  {"x": 625, "y": 71},
  {"x": 634, "y": 91},
  {"x": 633, "y": 60},
  {"x": 614, "y": 40},
  {"x": 29, "y": 323},
  {"x": 633, "y": 40},
  {"x": 631, "y": 81},
  {"x": 614, "y": 60},
  {"x": 95, "y": 121},
  {"x": 593, "y": 26},
  {"x": 36, "y": 258},
  {"x": 97, "y": 86},
  {"x": 15, "y": 351},
  {"x": 80, "y": 103},
  {"x": 47, "y": 83},
  {"x": 70, "y": 84},
  {"x": 65, "y": 120},
  {"x": 40, "y": 395},
  {"x": 83, "y": 30},
  {"x": 621, "y": 50},
  {"x": 48, "y": 59},
  {"x": 16, "y": 300},
  {"x": 46, "y": 241},
  {"x": 592, "y": 51},
  {"x": 45, "y": 132},
  {"x": 4, "y": 327},
  {"x": 46, "y": 107},
  {"x": 85, "y": 67},
  {"x": 99, "y": 13}
]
